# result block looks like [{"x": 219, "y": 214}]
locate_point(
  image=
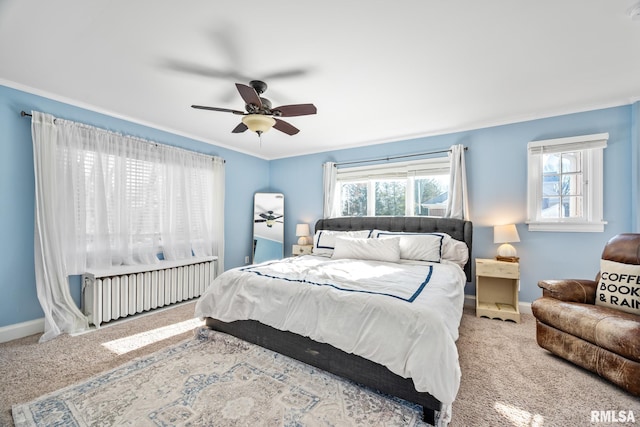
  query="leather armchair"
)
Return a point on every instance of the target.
[{"x": 601, "y": 339}]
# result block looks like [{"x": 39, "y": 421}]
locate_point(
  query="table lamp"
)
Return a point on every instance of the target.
[
  {"x": 302, "y": 231},
  {"x": 506, "y": 234}
]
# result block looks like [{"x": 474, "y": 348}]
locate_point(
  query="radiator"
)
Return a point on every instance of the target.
[{"x": 127, "y": 290}]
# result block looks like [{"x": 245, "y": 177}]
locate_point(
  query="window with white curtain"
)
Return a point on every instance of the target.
[
  {"x": 136, "y": 200},
  {"x": 565, "y": 184},
  {"x": 414, "y": 188},
  {"x": 104, "y": 199}
]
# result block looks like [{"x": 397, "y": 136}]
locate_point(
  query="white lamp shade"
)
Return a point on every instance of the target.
[
  {"x": 302, "y": 231},
  {"x": 505, "y": 234}
]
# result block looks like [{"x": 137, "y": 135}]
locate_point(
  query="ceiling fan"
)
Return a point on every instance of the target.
[
  {"x": 269, "y": 218},
  {"x": 260, "y": 116}
]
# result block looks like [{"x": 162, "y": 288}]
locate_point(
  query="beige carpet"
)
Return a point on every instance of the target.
[
  {"x": 507, "y": 380},
  {"x": 218, "y": 380}
]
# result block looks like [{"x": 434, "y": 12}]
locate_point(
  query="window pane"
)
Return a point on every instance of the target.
[
  {"x": 572, "y": 185},
  {"x": 571, "y": 162},
  {"x": 572, "y": 207},
  {"x": 430, "y": 195},
  {"x": 551, "y": 163},
  {"x": 354, "y": 199},
  {"x": 562, "y": 186},
  {"x": 550, "y": 207},
  {"x": 390, "y": 198}
]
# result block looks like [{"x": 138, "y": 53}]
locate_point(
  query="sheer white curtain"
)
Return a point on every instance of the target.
[
  {"x": 54, "y": 234},
  {"x": 106, "y": 199},
  {"x": 458, "y": 202},
  {"x": 329, "y": 174}
]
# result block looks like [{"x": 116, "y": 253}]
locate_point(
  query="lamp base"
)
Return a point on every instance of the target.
[
  {"x": 506, "y": 250},
  {"x": 303, "y": 241},
  {"x": 507, "y": 258}
]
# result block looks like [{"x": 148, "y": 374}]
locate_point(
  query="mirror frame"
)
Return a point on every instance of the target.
[{"x": 268, "y": 227}]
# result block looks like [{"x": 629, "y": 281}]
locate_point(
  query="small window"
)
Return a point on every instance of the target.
[
  {"x": 418, "y": 188},
  {"x": 565, "y": 184}
]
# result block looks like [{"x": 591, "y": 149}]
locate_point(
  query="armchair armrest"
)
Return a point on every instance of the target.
[{"x": 570, "y": 290}]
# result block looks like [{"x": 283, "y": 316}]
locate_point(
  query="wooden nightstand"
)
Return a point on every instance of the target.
[
  {"x": 497, "y": 285},
  {"x": 301, "y": 250}
]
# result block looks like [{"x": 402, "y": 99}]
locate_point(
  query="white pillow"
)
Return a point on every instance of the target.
[
  {"x": 368, "y": 249},
  {"x": 325, "y": 240},
  {"x": 619, "y": 286},
  {"x": 454, "y": 250},
  {"x": 417, "y": 247}
]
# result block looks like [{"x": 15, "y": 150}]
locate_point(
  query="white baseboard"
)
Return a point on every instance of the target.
[
  {"x": 470, "y": 301},
  {"x": 21, "y": 330}
]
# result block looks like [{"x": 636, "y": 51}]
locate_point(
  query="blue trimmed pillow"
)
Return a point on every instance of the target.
[
  {"x": 324, "y": 241},
  {"x": 416, "y": 246}
]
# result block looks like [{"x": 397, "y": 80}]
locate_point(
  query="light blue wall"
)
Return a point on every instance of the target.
[
  {"x": 496, "y": 172},
  {"x": 245, "y": 175},
  {"x": 496, "y": 167}
]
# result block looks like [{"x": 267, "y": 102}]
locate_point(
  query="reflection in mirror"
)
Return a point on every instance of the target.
[{"x": 268, "y": 226}]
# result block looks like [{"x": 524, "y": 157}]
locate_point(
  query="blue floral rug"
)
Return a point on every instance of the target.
[{"x": 216, "y": 380}]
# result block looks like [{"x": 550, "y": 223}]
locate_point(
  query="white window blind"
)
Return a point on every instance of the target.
[{"x": 429, "y": 167}]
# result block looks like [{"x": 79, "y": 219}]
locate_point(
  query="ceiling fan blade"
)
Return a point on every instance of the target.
[
  {"x": 295, "y": 72},
  {"x": 224, "y": 110},
  {"x": 285, "y": 127},
  {"x": 202, "y": 70},
  {"x": 249, "y": 94},
  {"x": 296, "y": 110},
  {"x": 240, "y": 128}
]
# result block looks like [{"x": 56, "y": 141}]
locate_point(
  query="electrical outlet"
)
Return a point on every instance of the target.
[{"x": 246, "y": 259}]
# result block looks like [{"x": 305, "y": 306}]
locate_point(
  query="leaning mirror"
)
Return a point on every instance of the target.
[{"x": 268, "y": 226}]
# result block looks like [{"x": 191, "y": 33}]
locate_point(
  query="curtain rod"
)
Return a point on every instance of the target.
[
  {"x": 396, "y": 157},
  {"x": 25, "y": 114}
]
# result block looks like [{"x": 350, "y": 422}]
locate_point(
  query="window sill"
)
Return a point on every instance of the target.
[{"x": 575, "y": 227}]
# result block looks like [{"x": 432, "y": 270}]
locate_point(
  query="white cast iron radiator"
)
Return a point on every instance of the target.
[{"x": 126, "y": 290}]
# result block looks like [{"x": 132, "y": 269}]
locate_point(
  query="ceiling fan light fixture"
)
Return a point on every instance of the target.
[{"x": 258, "y": 123}]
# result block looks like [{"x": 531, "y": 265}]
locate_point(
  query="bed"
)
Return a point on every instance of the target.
[{"x": 429, "y": 379}]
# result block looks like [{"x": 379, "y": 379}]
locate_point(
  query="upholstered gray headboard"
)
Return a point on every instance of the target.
[{"x": 456, "y": 228}]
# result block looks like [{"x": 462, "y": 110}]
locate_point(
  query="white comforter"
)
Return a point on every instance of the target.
[{"x": 404, "y": 316}]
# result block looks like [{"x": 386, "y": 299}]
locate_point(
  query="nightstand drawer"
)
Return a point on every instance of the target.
[
  {"x": 301, "y": 250},
  {"x": 494, "y": 268}
]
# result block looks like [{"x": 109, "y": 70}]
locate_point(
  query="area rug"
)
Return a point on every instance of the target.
[{"x": 216, "y": 380}]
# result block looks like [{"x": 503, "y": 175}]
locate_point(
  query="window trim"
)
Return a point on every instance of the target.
[{"x": 592, "y": 148}]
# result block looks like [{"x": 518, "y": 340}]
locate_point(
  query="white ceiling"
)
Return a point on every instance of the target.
[{"x": 377, "y": 71}]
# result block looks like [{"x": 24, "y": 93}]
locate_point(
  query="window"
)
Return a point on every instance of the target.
[
  {"x": 565, "y": 184},
  {"x": 132, "y": 201},
  {"x": 416, "y": 188}
]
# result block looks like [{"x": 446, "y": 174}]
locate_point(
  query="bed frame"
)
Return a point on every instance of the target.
[{"x": 333, "y": 360}]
